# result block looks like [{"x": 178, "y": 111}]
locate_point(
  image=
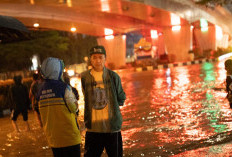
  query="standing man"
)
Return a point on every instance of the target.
[
  {"x": 103, "y": 95},
  {"x": 58, "y": 106},
  {"x": 21, "y": 102}
]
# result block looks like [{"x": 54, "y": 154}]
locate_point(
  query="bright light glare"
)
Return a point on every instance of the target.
[
  {"x": 158, "y": 83},
  {"x": 175, "y": 20},
  {"x": 105, "y": 5},
  {"x": 36, "y": 25},
  {"x": 204, "y": 29},
  {"x": 154, "y": 34},
  {"x": 70, "y": 72},
  {"x": 34, "y": 61},
  {"x": 204, "y": 25},
  {"x": 168, "y": 72},
  {"x": 219, "y": 33},
  {"x": 32, "y": 2},
  {"x": 72, "y": 82},
  {"x": 188, "y": 13},
  {"x": 109, "y": 37},
  {"x": 176, "y": 28},
  {"x": 73, "y": 29},
  {"x": 69, "y": 3},
  {"x": 108, "y": 31}
]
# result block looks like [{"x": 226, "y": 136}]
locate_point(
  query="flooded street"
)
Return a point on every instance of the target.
[
  {"x": 172, "y": 110},
  {"x": 167, "y": 112}
]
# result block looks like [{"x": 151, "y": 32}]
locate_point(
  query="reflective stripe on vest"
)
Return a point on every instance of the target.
[{"x": 51, "y": 102}]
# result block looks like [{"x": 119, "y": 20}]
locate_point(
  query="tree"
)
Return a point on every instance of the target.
[
  {"x": 17, "y": 56},
  {"x": 80, "y": 46},
  {"x": 70, "y": 48}
]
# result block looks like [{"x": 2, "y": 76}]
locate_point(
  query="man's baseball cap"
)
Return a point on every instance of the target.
[{"x": 97, "y": 50}]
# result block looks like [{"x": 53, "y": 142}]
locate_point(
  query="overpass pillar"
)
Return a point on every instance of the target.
[
  {"x": 115, "y": 51},
  {"x": 177, "y": 43},
  {"x": 205, "y": 40}
]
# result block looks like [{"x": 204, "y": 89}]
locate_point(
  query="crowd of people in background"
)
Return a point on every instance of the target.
[{"x": 55, "y": 105}]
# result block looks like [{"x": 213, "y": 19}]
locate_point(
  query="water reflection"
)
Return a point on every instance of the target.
[
  {"x": 167, "y": 111},
  {"x": 172, "y": 107}
]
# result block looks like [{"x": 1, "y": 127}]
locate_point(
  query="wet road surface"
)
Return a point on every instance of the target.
[{"x": 167, "y": 112}]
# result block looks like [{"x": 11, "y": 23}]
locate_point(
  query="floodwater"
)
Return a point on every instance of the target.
[{"x": 167, "y": 112}]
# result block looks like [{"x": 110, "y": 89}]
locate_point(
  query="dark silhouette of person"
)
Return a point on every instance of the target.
[
  {"x": 21, "y": 102},
  {"x": 33, "y": 95}
]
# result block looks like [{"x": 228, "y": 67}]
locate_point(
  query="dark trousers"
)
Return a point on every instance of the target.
[
  {"x": 71, "y": 151},
  {"x": 96, "y": 142},
  {"x": 16, "y": 113}
]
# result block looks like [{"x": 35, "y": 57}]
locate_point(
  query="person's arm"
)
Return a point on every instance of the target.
[
  {"x": 70, "y": 100},
  {"x": 121, "y": 96},
  {"x": 30, "y": 92}
]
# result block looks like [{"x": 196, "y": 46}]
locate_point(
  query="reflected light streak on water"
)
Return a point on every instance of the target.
[
  {"x": 167, "y": 111},
  {"x": 171, "y": 107}
]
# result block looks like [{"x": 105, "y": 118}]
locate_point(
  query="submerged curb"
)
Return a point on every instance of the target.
[{"x": 165, "y": 66}]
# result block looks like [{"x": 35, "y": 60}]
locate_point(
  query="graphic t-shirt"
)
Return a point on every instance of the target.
[{"x": 100, "y": 110}]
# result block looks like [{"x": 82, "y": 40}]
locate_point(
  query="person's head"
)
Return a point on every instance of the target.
[
  {"x": 17, "y": 79},
  {"x": 97, "y": 57},
  {"x": 52, "y": 68},
  {"x": 228, "y": 65},
  {"x": 35, "y": 76}
]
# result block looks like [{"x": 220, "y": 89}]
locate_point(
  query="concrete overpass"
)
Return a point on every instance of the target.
[{"x": 92, "y": 17}]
